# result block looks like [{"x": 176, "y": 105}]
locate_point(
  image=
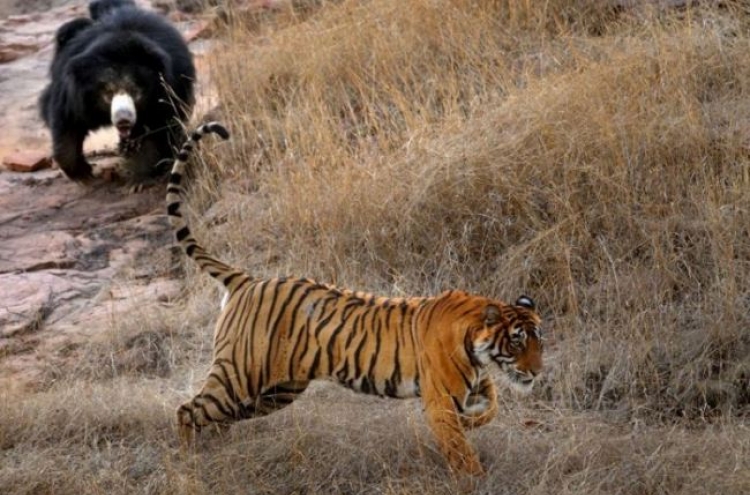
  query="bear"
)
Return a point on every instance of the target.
[{"x": 124, "y": 67}]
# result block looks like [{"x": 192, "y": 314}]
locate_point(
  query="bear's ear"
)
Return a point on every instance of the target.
[
  {"x": 153, "y": 56},
  {"x": 69, "y": 30}
]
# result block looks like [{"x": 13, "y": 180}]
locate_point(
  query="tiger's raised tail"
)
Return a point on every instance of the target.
[{"x": 229, "y": 276}]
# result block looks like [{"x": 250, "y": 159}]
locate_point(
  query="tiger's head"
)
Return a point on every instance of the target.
[{"x": 510, "y": 336}]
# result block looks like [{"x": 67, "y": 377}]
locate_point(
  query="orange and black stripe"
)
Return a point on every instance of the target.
[{"x": 228, "y": 276}]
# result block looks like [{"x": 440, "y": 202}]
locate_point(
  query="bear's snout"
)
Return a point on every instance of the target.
[{"x": 123, "y": 114}]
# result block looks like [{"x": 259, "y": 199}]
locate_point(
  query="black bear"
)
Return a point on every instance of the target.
[{"x": 125, "y": 67}]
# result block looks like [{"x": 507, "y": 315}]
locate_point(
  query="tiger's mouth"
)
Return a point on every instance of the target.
[
  {"x": 521, "y": 378},
  {"x": 519, "y": 381}
]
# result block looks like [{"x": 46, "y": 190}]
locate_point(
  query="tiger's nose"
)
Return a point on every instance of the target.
[{"x": 536, "y": 367}]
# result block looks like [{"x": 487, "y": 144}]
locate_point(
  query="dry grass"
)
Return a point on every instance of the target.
[{"x": 594, "y": 159}]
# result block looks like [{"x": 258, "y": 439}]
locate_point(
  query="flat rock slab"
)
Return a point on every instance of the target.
[
  {"x": 36, "y": 251},
  {"x": 64, "y": 249},
  {"x": 27, "y": 161}
]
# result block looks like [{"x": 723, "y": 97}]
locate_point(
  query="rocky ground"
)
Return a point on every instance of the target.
[{"x": 66, "y": 251}]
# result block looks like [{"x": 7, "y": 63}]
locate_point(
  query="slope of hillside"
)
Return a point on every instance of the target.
[{"x": 593, "y": 155}]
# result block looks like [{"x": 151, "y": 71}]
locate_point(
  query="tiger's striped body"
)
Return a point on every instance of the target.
[{"x": 276, "y": 335}]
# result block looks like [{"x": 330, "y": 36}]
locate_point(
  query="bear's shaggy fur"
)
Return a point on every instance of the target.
[{"x": 125, "y": 67}]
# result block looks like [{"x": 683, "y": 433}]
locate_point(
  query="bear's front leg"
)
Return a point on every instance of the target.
[{"x": 68, "y": 153}]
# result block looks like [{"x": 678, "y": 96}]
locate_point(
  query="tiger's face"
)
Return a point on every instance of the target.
[{"x": 512, "y": 338}]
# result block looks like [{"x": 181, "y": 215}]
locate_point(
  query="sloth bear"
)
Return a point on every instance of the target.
[{"x": 125, "y": 67}]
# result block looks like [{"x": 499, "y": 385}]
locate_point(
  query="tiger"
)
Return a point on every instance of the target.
[{"x": 274, "y": 336}]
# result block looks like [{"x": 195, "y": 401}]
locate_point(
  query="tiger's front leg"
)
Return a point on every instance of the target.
[
  {"x": 481, "y": 405},
  {"x": 447, "y": 427}
]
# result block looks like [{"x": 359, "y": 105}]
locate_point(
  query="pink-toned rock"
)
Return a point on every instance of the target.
[
  {"x": 22, "y": 18},
  {"x": 9, "y": 54},
  {"x": 14, "y": 46},
  {"x": 23, "y": 44},
  {"x": 27, "y": 161}
]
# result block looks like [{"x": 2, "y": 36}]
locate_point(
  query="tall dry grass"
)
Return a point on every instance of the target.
[
  {"x": 417, "y": 146},
  {"x": 596, "y": 159}
]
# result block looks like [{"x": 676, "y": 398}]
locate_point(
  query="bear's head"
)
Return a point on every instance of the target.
[{"x": 117, "y": 77}]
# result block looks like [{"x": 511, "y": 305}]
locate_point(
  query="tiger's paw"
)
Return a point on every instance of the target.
[
  {"x": 187, "y": 437},
  {"x": 475, "y": 469},
  {"x": 185, "y": 429},
  {"x": 468, "y": 465}
]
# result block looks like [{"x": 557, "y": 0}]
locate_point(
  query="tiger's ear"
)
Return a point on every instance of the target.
[
  {"x": 491, "y": 315},
  {"x": 526, "y": 302}
]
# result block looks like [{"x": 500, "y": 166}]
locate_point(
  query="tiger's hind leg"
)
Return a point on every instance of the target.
[
  {"x": 216, "y": 404},
  {"x": 220, "y": 408},
  {"x": 200, "y": 412},
  {"x": 273, "y": 399}
]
